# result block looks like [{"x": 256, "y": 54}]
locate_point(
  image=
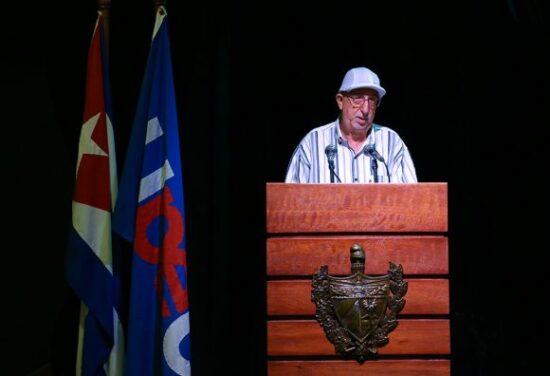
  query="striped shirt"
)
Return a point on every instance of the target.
[{"x": 309, "y": 162}]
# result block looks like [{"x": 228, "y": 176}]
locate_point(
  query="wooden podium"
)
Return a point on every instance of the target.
[{"x": 309, "y": 225}]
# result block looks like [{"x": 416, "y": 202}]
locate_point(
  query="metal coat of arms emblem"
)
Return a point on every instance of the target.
[{"x": 359, "y": 311}]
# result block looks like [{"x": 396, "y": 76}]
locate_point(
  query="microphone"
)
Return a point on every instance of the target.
[
  {"x": 370, "y": 150},
  {"x": 375, "y": 156},
  {"x": 330, "y": 151}
]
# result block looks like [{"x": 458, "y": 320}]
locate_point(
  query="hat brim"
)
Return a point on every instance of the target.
[{"x": 379, "y": 89}]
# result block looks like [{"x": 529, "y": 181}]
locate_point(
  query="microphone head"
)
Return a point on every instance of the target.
[
  {"x": 330, "y": 151},
  {"x": 370, "y": 150}
]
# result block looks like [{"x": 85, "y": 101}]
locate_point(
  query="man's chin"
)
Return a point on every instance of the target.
[{"x": 360, "y": 128}]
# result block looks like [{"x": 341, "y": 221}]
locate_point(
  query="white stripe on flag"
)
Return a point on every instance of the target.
[{"x": 154, "y": 182}]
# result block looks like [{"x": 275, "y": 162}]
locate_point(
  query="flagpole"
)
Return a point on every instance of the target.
[
  {"x": 104, "y": 7},
  {"x": 158, "y": 4}
]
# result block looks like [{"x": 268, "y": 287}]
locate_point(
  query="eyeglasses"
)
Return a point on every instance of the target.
[{"x": 357, "y": 100}]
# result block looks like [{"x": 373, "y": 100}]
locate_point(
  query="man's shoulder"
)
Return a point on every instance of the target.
[
  {"x": 324, "y": 128},
  {"x": 386, "y": 134},
  {"x": 317, "y": 134}
]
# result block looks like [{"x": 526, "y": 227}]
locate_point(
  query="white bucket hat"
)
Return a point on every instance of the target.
[{"x": 362, "y": 77}]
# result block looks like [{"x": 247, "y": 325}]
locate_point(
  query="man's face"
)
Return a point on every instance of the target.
[{"x": 358, "y": 108}]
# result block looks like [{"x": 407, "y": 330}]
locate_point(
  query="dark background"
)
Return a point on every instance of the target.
[{"x": 467, "y": 90}]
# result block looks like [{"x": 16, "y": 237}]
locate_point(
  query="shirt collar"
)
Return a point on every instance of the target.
[{"x": 342, "y": 141}]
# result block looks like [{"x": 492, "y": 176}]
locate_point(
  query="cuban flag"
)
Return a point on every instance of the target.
[
  {"x": 91, "y": 266},
  {"x": 149, "y": 213}
]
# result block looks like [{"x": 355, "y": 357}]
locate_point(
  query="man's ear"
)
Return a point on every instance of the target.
[{"x": 339, "y": 99}]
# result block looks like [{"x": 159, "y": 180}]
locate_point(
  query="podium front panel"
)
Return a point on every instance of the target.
[{"x": 310, "y": 225}]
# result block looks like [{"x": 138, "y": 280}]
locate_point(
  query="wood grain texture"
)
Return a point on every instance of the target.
[
  {"x": 408, "y": 367},
  {"x": 293, "y": 297},
  {"x": 359, "y": 208},
  {"x": 304, "y": 255},
  {"x": 307, "y": 338}
]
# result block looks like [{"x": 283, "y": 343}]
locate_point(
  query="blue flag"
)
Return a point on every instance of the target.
[
  {"x": 149, "y": 213},
  {"x": 91, "y": 265}
]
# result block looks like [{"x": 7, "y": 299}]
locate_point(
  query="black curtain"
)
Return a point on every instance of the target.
[{"x": 467, "y": 86}]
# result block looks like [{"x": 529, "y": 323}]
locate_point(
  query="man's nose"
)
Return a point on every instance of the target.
[{"x": 366, "y": 106}]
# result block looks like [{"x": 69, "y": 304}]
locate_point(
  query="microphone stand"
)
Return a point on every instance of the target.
[
  {"x": 331, "y": 169},
  {"x": 330, "y": 151},
  {"x": 374, "y": 168}
]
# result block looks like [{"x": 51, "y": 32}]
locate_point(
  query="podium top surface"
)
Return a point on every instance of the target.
[{"x": 356, "y": 208}]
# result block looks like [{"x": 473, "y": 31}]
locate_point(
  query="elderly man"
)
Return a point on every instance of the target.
[{"x": 353, "y": 149}]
